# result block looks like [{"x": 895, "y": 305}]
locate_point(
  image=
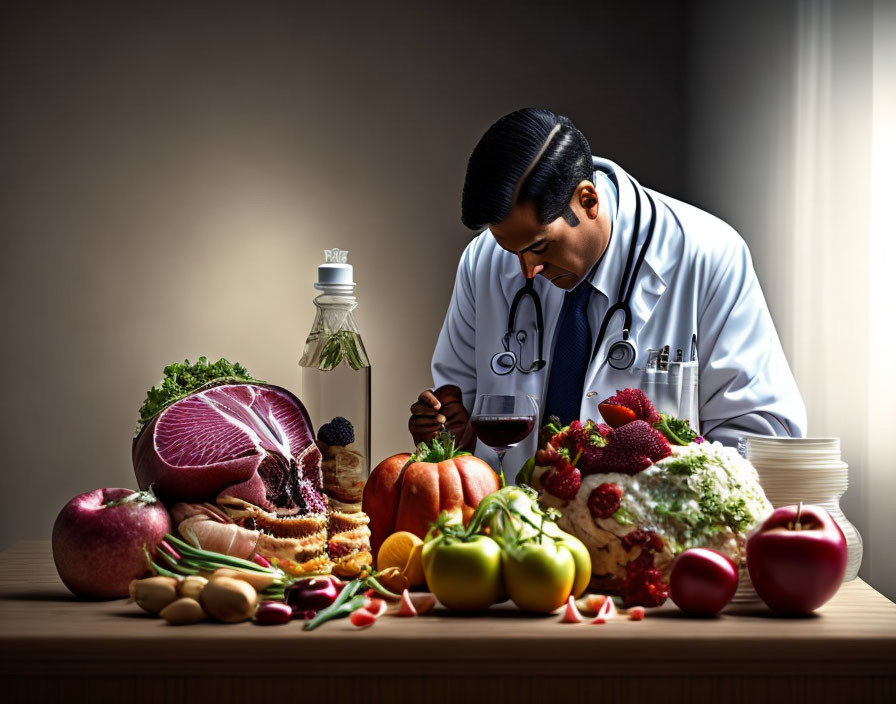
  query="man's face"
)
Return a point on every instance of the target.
[{"x": 561, "y": 253}]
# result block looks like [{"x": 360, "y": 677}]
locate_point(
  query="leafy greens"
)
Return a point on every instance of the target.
[{"x": 181, "y": 379}]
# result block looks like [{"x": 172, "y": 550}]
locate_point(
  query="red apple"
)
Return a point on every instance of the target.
[
  {"x": 703, "y": 581},
  {"x": 797, "y": 559},
  {"x": 98, "y": 540}
]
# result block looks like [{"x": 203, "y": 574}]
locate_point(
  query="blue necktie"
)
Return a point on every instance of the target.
[{"x": 572, "y": 354}]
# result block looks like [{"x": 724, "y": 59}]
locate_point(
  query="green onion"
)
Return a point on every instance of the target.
[
  {"x": 193, "y": 560},
  {"x": 335, "y": 610}
]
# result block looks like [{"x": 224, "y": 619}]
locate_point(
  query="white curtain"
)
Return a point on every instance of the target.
[
  {"x": 843, "y": 345},
  {"x": 791, "y": 140},
  {"x": 881, "y": 291}
]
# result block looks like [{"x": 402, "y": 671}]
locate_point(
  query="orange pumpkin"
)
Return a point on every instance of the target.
[{"x": 408, "y": 492}]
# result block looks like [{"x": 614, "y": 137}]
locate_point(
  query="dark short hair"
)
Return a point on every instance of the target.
[{"x": 505, "y": 152}]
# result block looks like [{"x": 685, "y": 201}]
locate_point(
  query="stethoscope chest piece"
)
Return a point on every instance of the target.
[
  {"x": 503, "y": 362},
  {"x": 507, "y": 360},
  {"x": 622, "y": 353}
]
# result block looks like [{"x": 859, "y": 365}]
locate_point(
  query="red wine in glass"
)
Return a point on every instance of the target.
[
  {"x": 502, "y": 421},
  {"x": 503, "y": 432}
]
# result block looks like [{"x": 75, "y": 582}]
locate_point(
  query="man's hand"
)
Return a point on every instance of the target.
[{"x": 445, "y": 407}]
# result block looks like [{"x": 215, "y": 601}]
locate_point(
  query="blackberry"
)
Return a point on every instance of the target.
[{"x": 338, "y": 431}]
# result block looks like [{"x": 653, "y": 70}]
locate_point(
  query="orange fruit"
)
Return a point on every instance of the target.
[{"x": 403, "y": 550}]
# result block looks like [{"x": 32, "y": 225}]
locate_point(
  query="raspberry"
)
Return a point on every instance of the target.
[
  {"x": 635, "y": 400},
  {"x": 643, "y": 584},
  {"x": 644, "y": 588},
  {"x": 633, "y": 447},
  {"x": 646, "y": 540},
  {"x": 604, "y": 501},
  {"x": 338, "y": 431},
  {"x": 563, "y": 482}
]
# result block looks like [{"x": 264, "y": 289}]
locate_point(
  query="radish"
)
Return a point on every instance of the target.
[
  {"x": 571, "y": 615},
  {"x": 362, "y": 618}
]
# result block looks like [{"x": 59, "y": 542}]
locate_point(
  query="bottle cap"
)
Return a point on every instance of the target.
[{"x": 335, "y": 273}]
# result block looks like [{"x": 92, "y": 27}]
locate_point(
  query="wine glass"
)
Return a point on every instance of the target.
[{"x": 502, "y": 421}]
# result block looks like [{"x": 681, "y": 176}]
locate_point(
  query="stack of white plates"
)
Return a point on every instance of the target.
[
  {"x": 745, "y": 593},
  {"x": 798, "y": 469},
  {"x": 810, "y": 470}
]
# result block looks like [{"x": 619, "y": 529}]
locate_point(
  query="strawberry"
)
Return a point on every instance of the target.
[
  {"x": 589, "y": 462},
  {"x": 585, "y": 440},
  {"x": 545, "y": 457},
  {"x": 616, "y": 415},
  {"x": 563, "y": 481},
  {"x": 578, "y": 435},
  {"x": 634, "y": 400},
  {"x": 633, "y": 447}
]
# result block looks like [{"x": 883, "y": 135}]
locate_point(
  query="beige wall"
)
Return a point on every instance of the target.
[{"x": 169, "y": 178}]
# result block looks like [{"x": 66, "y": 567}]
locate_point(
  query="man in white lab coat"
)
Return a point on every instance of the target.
[{"x": 593, "y": 240}]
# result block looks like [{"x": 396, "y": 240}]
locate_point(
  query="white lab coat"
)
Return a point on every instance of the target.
[{"x": 697, "y": 277}]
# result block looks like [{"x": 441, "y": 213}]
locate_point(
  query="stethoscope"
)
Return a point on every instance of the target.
[{"x": 623, "y": 352}]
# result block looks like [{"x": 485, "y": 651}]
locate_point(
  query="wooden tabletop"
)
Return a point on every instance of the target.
[{"x": 54, "y": 645}]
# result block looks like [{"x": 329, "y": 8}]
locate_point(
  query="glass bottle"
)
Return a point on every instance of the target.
[{"x": 336, "y": 380}]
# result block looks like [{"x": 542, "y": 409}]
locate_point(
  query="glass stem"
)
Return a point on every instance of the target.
[{"x": 501, "y": 454}]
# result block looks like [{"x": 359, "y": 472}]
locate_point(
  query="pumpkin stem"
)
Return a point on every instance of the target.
[{"x": 442, "y": 447}]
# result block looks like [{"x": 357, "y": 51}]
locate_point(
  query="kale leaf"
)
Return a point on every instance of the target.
[
  {"x": 181, "y": 379},
  {"x": 677, "y": 431}
]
